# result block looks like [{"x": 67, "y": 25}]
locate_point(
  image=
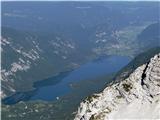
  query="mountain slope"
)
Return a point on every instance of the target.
[
  {"x": 24, "y": 55},
  {"x": 150, "y": 36},
  {"x": 139, "y": 60},
  {"x": 138, "y": 96}
]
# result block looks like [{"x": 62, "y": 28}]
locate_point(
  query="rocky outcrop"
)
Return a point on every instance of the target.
[{"x": 136, "y": 97}]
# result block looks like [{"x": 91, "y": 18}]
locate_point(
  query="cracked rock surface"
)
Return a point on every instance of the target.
[{"x": 137, "y": 97}]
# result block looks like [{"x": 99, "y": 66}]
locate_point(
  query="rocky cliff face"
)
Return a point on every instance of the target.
[{"x": 136, "y": 97}]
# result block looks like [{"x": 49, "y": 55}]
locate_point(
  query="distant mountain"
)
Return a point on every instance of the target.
[
  {"x": 131, "y": 98},
  {"x": 73, "y": 16}
]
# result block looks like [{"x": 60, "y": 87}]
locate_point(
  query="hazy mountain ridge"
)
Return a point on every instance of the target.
[
  {"x": 135, "y": 97},
  {"x": 74, "y": 14}
]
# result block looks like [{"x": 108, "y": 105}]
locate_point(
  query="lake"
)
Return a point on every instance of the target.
[{"x": 52, "y": 88}]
